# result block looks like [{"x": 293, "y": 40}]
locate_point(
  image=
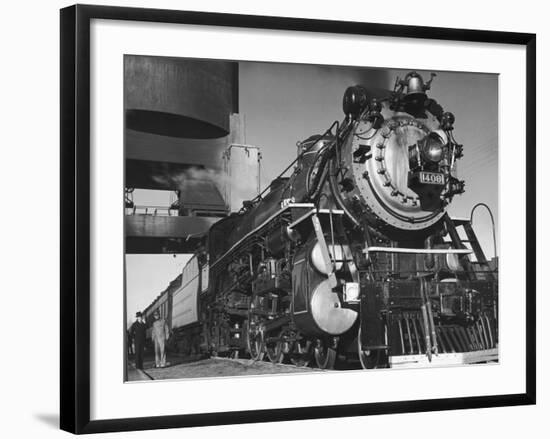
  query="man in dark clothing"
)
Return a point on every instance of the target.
[
  {"x": 138, "y": 330},
  {"x": 129, "y": 342}
]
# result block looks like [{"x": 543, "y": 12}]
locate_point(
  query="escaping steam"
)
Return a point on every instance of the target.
[{"x": 210, "y": 186}]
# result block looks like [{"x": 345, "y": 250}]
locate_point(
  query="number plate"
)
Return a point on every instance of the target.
[{"x": 431, "y": 178}]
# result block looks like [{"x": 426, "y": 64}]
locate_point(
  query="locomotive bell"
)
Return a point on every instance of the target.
[
  {"x": 415, "y": 84},
  {"x": 410, "y": 93}
]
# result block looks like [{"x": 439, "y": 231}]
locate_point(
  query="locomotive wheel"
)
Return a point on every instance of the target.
[
  {"x": 325, "y": 354},
  {"x": 255, "y": 341},
  {"x": 372, "y": 359},
  {"x": 300, "y": 354},
  {"x": 214, "y": 340},
  {"x": 275, "y": 347},
  {"x": 286, "y": 345},
  {"x": 205, "y": 338}
]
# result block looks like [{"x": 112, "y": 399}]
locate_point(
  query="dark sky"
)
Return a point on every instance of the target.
[{"x": 285, "y": 103}]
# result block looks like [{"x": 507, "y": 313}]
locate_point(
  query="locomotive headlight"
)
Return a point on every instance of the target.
[{"x": 433, "y": 148}]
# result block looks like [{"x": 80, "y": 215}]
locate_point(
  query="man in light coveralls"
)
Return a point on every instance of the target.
[{"x": 160, "y": 334}]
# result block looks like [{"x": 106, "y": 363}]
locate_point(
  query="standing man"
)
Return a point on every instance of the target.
[
  {"x": 160, "y": 334},
  {"x": 137, "y": 331},
  {"x": 129, "y": 342}
]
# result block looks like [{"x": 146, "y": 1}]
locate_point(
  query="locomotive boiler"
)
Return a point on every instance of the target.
[{"x": 353, "y": 256}]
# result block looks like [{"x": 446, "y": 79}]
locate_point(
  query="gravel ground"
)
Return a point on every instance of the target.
[{"x": 215, "y": 367}]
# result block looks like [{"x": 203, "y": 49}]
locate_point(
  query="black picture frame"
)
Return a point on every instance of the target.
[{"x": 75, "y": 217}]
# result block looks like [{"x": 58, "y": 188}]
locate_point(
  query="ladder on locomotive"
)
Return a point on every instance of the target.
[{"x": 481, "y": 263}]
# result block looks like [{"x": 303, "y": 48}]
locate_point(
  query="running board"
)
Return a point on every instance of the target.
[{"x": 450, "y": 359}]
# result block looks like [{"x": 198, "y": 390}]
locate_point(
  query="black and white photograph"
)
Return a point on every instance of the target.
[
  {"x": 275, "y": 220},
  {"x": 285, "y": 218}
]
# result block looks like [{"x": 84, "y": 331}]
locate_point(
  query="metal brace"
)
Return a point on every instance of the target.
[{"x": 324, "y": 250}]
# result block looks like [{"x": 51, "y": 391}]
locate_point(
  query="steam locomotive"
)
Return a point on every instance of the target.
[{"x": 353, "y": 258}]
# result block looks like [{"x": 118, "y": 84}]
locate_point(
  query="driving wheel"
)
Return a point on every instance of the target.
[{"x": 325, "y": 353}]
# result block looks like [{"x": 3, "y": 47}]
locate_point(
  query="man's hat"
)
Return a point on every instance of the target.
[{"x": 138, "y": 314}]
